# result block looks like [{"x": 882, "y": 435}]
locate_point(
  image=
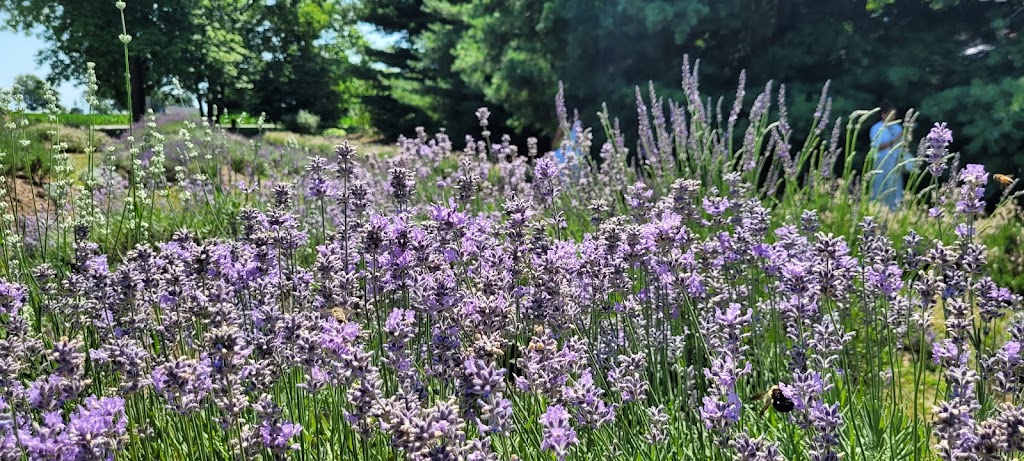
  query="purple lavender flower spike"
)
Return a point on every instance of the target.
[
  {"x": 559, "y": 436},
  {"x": 934, "y": 148},
  {"x": 12, "y": 298},
  {"x": 98, "y": 428},
  {"x": 585, "y": 399},
  {"x": 277, "y": 436},
  {"x": 971, "y": 191}
]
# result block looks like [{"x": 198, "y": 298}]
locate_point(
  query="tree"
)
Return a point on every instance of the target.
[
  {"x": 33, "y": 91},
  {"x": 80, "y": 31},
  {"x": 219, "y": 62},
  {"x": 930, "y": 54},
  {"x": 412, "y": 81},
  {"x": 306, "y": 47},
  {"x": 205, "y": 44}
]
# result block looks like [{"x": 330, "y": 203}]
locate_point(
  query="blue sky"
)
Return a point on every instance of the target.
[{"x": 18, "y": 56}]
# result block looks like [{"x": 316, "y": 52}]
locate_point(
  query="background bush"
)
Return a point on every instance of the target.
[
  {"x": 82, "y": 120},
  {"x": 302, "y": 122}
]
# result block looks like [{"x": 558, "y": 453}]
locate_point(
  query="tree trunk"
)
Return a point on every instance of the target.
[{"x": 139, "y": 68}]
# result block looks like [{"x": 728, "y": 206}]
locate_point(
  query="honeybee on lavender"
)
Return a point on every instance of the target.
[
  {"x": 537, "y": 343},
  {"x": 339, "y": 314},
  {"x": 775, "y": 399},
  {"x": 1003, "y": 179}
]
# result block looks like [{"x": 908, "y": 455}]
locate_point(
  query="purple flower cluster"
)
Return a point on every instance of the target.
[
  {"x": 97, "y": 429},
  {"x": 934, "y": 148},
  {"x": 971, "y": 191},
  {"x": 12, "y": 298},
  {"x": 559, "y": 436},
  {"x": 570, "y": 311},
  {"x": 726, "y": 334}
]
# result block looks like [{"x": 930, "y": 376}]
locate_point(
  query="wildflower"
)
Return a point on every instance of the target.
[
  {"x": 545, "y": 172},
  {"x": 480, "y": 450},
  {"x": 496, "y": 417},
  {"x": 183, "y": 383},
  {"x": 827, "y": 421},
  {"x": 48, "y": 393},
  {"x": 715, "y": 206},
  {"x": 481, "y": 381},
  {"x": 402, "y": 186},
  {"x": 627, "y": 377},
  {"x": 482, "y": 114},
  {"x": 934, "y": 148},
  {"x": 559, "y": 436},
  {"x": 954, "y": 425},
  {"x": 345, "y": 153},
  {"x": 585, "y": 399},
  {"x": 400, "y": 328},
  {"x": 12, "y": 298},
  {"x": 319, "y": 186},
  {"x": 657, "y": 425},
  {"x": 48, "y": 440},
  {"x": 277, "y": 436},
  {"x": 748, "y": 449},
  {"x": 971, "y": 190},
  {"x": 98, "y": 427},
  {"x": 638, "y": 197}
]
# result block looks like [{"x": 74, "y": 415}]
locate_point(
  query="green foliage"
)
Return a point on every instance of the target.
[
  {"x": 35, "y": 160},
  {"x": 78, "y": 140},
  {"x": 452, "y": 56},
  {"x": 33, "y": 91},
  {"x": 273, "y": 57},
  {"x": 990, "y": 118},
  {"x": 306, "y": 62},
  {"x": 314, "y": 144},
  {"x": 317, "y": 145},
  {"x": 240, "y": 119},
  {"x": 165, "y": 41},
  {"x": 32, "y": 161},
  {"x": 412, "y": 82},
  {"x": 306, "y": 122},
  {"x": 335, "y": 133},
  {"x": 80, "y": 120},
  {"x": 1001, "y": 233}
]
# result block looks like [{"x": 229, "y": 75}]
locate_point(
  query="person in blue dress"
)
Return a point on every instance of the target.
[
  {"x": 560, "y": 152},
  {"x": 887, "y": 142}
]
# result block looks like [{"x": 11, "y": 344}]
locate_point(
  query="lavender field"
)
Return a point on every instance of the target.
[{"x": 184, "y": 293}]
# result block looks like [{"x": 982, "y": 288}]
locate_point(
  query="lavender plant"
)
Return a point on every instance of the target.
[{"x": 479, "y": 304}]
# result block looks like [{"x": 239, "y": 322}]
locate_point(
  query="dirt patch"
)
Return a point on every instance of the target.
[
  {"x": 26, "y": 198},
  {"x": 228, "y": 177}
]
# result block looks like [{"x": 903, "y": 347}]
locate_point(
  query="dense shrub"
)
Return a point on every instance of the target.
[
  {"x": 79, "y": 120},
  {"x": 335, "y": 133},
  {"x": 320, "y": 145},
  {"x": 34, "y": 145},
  {"x": 77, "y": 139},
  {"x": 306, "y": 122}
]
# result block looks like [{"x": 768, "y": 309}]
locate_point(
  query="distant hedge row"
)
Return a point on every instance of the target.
[{"x": 81, "y": 120}]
